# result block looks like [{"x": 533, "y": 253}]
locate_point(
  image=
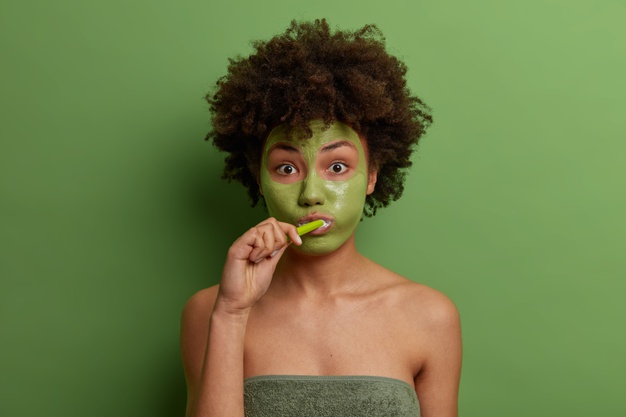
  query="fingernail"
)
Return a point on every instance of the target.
[
  {"x": 257, "y": 261},
  {"x": 274, "y": 253}
]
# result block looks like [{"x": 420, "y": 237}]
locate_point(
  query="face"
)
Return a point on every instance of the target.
[{"x": 323, "y": 177}]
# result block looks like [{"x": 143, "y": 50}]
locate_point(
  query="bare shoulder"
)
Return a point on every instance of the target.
[
  {"x": 434, "y": 332},
  {"x": 200, "y": 303},
  {"x": 433, "y": 306},
  {"x": 420, "y": 304},
  {"x": 194, "y": 327}
]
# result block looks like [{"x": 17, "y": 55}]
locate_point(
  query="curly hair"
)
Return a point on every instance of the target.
[{"x": 312, "y": 73}]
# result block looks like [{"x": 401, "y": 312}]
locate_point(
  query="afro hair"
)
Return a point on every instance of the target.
[{"x": 313, "y": 73}]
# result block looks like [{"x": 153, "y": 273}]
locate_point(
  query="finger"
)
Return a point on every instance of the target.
[
  {"x": 279, "y": 252},
  {"x": 258, "y": 247},
  {"x": 245, "y": 245},
  {"x": 276, "y": 255},
  {"x": 280, "y": 242},
  {"x": 291, "y": 231},
  {"x": 269, "y": 240},
  {"x": 265, "y": 243},
  {"x": 280, "y": 237}
]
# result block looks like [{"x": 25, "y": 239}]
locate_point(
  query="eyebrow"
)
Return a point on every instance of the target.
[
  {"x": 327, "y": 148},
  {"x": 285, "y": 147},
  {"x": 336, "y": 145}
]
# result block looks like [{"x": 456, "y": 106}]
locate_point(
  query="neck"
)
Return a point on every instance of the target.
[{"x": 341, "y": 271}]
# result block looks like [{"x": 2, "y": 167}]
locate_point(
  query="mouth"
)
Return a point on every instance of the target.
[{"x": 328, "y": 222}]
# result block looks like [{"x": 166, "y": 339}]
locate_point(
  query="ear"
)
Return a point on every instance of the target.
[{"x": 371, "y": 180}]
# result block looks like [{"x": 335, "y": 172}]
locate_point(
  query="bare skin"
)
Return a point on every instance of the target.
[
  {"x": 354, "y": 321},
  {"x": 295, "y": 313}
]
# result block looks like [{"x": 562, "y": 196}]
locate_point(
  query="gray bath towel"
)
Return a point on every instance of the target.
[{"x": 326, "y": 396}]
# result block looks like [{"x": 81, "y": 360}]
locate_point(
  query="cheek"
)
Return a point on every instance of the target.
[
  {"x": 280, "y": 199},
  {"x": 349, "y": 196}
]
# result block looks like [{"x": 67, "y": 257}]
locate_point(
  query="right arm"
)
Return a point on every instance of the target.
[{"x": 214, "y": 321}]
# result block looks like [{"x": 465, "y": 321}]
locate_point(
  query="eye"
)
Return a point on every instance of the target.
[
  {"x": 286, "y": 169},
  {"x": 338, "y": 168}
]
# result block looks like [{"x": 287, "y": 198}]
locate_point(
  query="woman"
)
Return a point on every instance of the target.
[{"x": 320, "y": 126}]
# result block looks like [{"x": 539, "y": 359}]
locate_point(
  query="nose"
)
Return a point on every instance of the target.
[{"x": 312, "y": 192}]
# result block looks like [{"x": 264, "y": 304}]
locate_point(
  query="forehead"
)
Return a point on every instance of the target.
[{"x": 336, "y": 132}]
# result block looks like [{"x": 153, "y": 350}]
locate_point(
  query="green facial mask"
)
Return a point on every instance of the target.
[{"x": 324, "y": 176}]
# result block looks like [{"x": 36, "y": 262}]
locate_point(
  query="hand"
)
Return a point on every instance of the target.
[{"x": 251, "y": 262}]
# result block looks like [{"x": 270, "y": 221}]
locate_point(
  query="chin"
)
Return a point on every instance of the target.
[{"x": 317, "y": 246}]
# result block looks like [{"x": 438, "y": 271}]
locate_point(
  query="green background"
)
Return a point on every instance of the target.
[{"x": 113, "y": 213}]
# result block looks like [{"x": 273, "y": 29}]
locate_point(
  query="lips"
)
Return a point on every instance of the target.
[{"x": 328, "y": 223}]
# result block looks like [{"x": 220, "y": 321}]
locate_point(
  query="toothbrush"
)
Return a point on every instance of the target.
[{"x": 309, "y": 227}]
